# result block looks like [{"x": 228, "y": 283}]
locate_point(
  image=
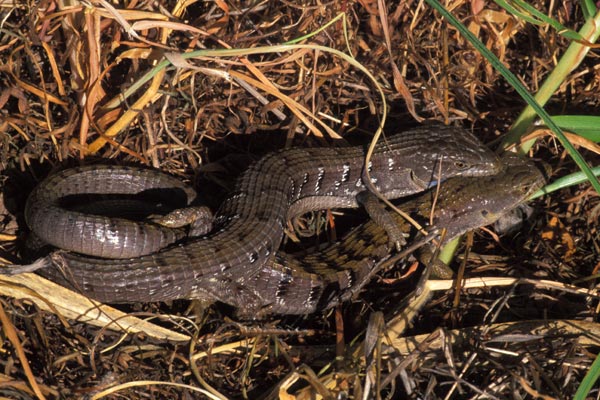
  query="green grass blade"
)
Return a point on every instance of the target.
[
  {"x": 544, "y": 19},
  {"x": 572, "y": 57},
  {"x": 516, "y": 84},
  {"x": 587, "y": 126},
  {"x": 589, "y": 9},
  {"x": 589, "y": 380},
  {"x": 564, "y": 182},
  {"x": 507, "y": 5}
]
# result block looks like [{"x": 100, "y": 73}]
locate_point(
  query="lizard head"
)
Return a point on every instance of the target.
[
  {"x": 451, "y": 152},
  {"x": 466, "y": 204}
]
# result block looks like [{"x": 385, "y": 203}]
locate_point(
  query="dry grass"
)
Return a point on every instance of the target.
[{"x": 66, "y": 73}]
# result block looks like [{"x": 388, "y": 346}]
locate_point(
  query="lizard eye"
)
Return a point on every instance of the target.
[{"x": 461, "y": 165}]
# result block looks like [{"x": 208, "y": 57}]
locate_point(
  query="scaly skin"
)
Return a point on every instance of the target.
[
  {"x": 292, "y": 285},
  {"x": 249, "y": 225}
]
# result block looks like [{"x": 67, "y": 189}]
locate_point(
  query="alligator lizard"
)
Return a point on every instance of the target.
[
  {"x": 101, "y": 235},
  {"x": 249, "y": 225},
  {"x": 294, "y": 285}
]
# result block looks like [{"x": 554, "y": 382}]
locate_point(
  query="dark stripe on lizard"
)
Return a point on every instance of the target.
[
  {"x": 294, "y": 285},
  {"x": 250, "y": 223}
]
